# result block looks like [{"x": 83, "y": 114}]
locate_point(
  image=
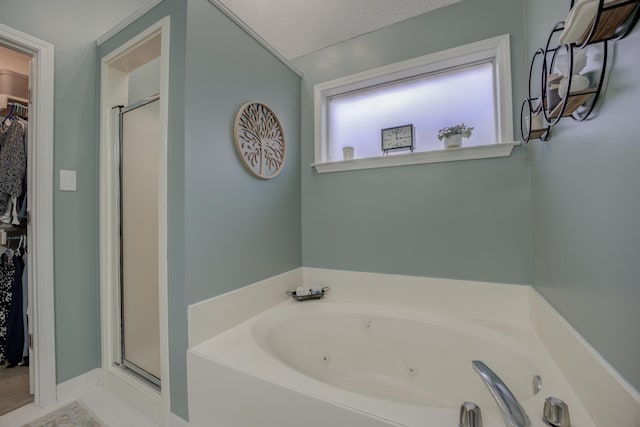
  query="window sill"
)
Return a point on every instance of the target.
[{"x": 436, "y": 156}]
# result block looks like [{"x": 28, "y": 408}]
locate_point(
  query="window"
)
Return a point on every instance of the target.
[{"x": 469, "y": 84}]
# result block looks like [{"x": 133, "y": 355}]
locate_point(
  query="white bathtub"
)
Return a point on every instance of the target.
[{"x": 339, "y": 363}]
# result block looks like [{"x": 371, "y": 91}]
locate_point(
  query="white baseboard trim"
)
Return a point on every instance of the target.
[
  {"x": 79, "y": 384},
  {"x": 176, "y": 421}
]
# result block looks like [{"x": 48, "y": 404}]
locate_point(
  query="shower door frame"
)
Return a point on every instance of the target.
[
  {"x": 114, "y": 91},
  {"x": 136, "y": 370}
]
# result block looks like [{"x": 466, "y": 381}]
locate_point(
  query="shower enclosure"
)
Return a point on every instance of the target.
[{"x": 139, "y": 153}]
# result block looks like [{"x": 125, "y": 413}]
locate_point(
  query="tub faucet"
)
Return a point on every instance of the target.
[{"x": 512, "y": 411}]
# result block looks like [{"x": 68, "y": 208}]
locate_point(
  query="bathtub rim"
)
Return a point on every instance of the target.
[
  {"x": 614, "y": 398},
  {"x": 254, "y": 360}
]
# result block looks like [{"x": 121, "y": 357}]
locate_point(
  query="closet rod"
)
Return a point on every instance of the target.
[
  {"x": 5, "y": 237},
  {"x": 7, "y": 101}
]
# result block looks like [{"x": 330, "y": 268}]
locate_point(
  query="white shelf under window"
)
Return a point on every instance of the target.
[{"x": 435, "y": 156}]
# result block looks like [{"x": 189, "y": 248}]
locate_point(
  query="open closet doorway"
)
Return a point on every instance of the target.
[
  {"x": 16, "y": 384},
  {"x": 27, "y": 331}
]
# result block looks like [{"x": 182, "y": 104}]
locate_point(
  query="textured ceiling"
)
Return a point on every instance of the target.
[{"x": 297, "y": 27}]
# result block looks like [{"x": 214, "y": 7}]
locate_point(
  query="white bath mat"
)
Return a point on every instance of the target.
[{"x": 74, "y": 414}]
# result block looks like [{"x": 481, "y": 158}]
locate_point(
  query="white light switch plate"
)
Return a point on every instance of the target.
[{"x": 67, "y": 180}]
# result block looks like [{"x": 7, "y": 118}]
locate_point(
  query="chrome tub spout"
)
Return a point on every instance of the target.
[{"x": 512, "y": 411}]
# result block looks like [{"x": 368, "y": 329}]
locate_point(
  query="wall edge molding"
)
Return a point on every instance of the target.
[
  {"x": 79, "y": 384},
  {"x": 127, "y": 21},
  {"x": 247, "y": 29}
]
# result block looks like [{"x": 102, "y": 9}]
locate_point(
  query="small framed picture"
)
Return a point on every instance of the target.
[{"x": 398, "y": 138}]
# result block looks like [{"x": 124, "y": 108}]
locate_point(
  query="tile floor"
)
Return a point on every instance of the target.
[{"x": 107, "y": 406}]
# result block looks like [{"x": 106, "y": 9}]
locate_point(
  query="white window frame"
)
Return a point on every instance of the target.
[{"x": 496, "y": 49}]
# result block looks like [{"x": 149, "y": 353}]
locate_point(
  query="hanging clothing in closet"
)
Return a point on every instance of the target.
[
  {"x": 25, "y": 310},
  {"x": 7, "y": 275},
  {"x": 13, "y": 163},
  {"x": 12, "y": 309},
  {"x": 15, "y": 325}
]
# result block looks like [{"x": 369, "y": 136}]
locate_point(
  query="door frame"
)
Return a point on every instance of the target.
[
  {"x": 40, "y": 226},
  {"x": 113, "y": 92}
]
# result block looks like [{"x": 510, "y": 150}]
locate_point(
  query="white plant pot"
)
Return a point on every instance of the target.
[{"x": 453, "y": 141}]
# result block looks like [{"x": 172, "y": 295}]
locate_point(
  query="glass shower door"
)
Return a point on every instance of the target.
[{"x": 139, "y": 253}]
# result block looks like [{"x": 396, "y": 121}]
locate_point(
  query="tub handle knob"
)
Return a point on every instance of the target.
[
  {"x": 556, "y": 413},
  {"x": 470, "y": 415}
]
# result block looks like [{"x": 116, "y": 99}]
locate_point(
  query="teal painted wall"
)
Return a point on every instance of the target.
[
  {"x": 239, "y": 229},
  {"x": 177, "y": 11},
  {"x": 585, "y": 207},
  {"x": 227, "y": 229},
  {"x": 463, "y": 220},
  {"x": 144, "y": 81},
  {"x": 468, "y": 220},
  {"x": 72, "y": 30}
]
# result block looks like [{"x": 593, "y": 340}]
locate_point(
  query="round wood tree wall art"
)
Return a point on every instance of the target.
[{"x": 260, "y": 140}]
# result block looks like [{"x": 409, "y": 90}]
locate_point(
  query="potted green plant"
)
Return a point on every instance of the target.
[{"x": 453, "y": 135}]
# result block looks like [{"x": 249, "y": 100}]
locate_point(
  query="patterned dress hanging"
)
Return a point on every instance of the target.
[
  {"x": 13, "y": 162},
  {"x": 7, "y": 275},
  {"x": 15, "y": 327}
]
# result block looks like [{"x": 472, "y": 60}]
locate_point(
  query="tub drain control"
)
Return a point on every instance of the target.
[
  {"x": 325, "y": 359},
  {"x": 412, "y": 370},
  {"x": 366, "y": 323}
]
